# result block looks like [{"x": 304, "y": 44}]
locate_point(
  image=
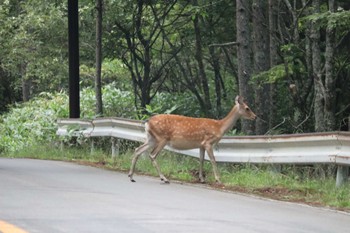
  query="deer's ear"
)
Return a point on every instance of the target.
[{"x": 239, "y": 99}]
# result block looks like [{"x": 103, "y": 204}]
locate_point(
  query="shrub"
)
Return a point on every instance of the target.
[{"x": 34, "y": 122}]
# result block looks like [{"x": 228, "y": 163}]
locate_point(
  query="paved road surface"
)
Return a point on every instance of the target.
[{"x": 50, "y": 197}]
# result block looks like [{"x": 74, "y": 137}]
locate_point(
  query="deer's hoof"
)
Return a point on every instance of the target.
[
  {"x": 131, "y": 179},
  {"x": 165, "y": 181}
]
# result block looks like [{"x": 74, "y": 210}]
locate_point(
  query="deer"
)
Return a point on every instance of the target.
[{"x": 184, "y": 133}]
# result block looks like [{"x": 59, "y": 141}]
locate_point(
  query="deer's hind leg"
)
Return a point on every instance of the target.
[
  {"x": 139, "y": 150},
  {"x": 158, "y": 148}
]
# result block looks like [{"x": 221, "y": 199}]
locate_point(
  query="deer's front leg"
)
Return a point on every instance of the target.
[
  {"x": 210, "y": 152},
  {"x": 201, "y": 163}
]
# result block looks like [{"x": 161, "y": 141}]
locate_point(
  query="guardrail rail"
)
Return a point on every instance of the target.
[{"x": 313, "y": 148}]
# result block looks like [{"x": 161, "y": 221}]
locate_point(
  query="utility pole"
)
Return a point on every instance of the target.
[
  {"x": 98, "y": 56},
  {"x": 73, "y": 41}
]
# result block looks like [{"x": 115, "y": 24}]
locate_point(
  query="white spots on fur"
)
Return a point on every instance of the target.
[{"x": 184, "y": 131}]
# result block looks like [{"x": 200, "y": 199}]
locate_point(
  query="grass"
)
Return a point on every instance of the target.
[{"x": 295, "y": 184}]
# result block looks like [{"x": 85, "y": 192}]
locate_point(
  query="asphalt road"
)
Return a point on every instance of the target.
[{"x": 50, "y": 197}]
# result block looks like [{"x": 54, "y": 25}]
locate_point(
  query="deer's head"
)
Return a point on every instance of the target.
[{"x": 244, "y": 110}]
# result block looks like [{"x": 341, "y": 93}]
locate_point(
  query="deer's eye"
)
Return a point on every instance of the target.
[{"x": 247, "y": 109}]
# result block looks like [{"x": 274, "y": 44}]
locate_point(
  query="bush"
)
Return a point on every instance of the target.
[
  {"x": 35, "y": 122},
  {"x": 32, "y": 122}
]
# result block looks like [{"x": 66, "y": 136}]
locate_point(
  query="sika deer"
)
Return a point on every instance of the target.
[{"x": 183, "y": 133}]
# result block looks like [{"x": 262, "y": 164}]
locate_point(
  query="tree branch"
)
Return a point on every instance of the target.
[{"x": 234, "y": 43}]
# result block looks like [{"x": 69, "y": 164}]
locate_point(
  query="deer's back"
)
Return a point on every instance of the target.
[{"x": 183, "y": 132}]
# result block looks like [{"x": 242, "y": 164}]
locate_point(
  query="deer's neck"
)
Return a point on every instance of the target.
[{"x": 230, "y": 120}]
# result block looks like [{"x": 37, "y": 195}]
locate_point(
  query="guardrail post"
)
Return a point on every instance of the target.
[
  {"x": 92, "y": 150},
  {"x": 115, "y": 147},
  {"x": 275, "y": 168},
  {"x": 61, "y": 145},
  {"x": 342, "y": 175}
]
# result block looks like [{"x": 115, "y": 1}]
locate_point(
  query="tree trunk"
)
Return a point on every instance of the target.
[
  {"x": 26, "y": 89},
  {"x": 26, "y": 84},
  {"x": 244, "y": 57},
  {"x": 330, "y": 93},
  {"x": 199, "y": 59},
  {"x": 98, "y": 56},
  {"x": 317, "y": 72},
  {"x": 305, "y": 92},
  {"x": 261, "y": 63},
  {"x": 146, "y": 81},
  {"x": 218, "y": 80},
  {"x": 273, "y": 59},
  {"x": 144, "y": 78}
]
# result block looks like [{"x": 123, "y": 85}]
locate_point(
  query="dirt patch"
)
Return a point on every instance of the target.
[
  {"x": 281, "y": 194},
  {"x": 100, "y": 164}
]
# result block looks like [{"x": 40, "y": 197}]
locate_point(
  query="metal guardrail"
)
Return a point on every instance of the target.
[{"x": 315, "y": 148}]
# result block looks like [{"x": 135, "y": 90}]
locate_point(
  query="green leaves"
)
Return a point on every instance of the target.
[
  {"x": 32, "y": 42},
  {"x": 273, "y": 75},
  {"x": 31, "y": 123},
  {"x": 339, "y": 20},
  {"x": 34, "y": 122}
]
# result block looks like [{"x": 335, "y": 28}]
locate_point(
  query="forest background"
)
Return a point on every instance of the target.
[{"x": 288, "y": 58}]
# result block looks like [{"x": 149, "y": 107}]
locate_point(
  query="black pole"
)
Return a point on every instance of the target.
[{"x": 73, "y": 41}]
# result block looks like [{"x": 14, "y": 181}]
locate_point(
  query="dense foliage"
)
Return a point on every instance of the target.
[
  {"x": 290, "y": 59},
  {"x": 35, "y": 122}
]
